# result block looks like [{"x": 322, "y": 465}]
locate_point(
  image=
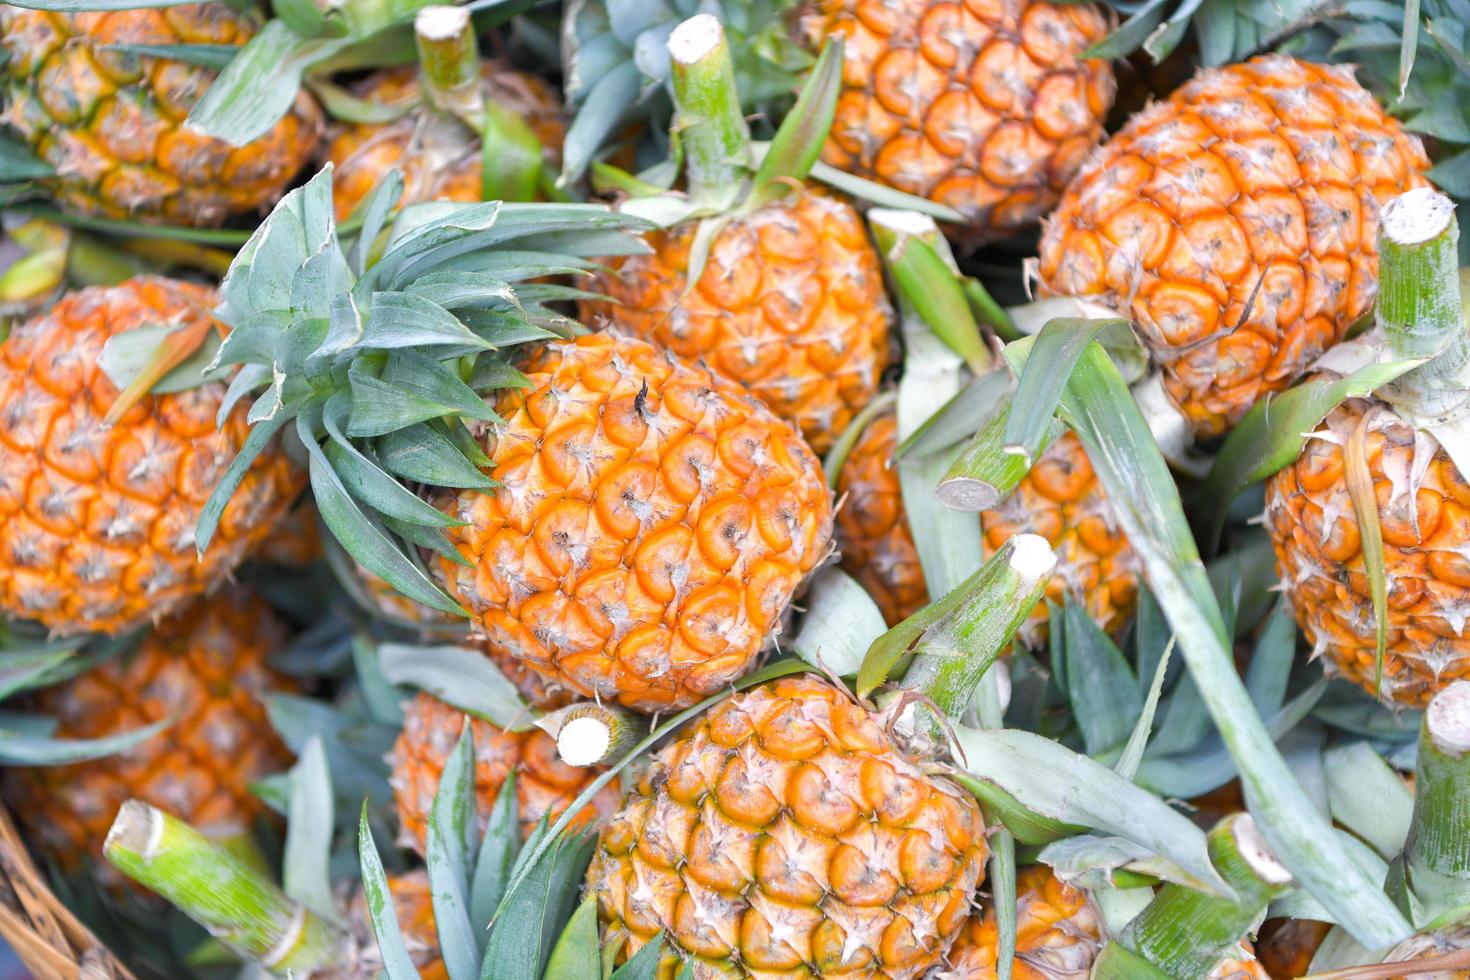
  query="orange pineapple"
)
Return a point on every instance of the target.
[
  {"x": 544, "y": 784},
  {"x": 438, "y": 158},
  {"x": 1234, "y": 224},
  {"x": 790, "y": 304},
  {"x": 984, "y": 106},
  {"x": 1058, "y": 932},
  {"x": 651, "y": 524},
  {"x": 97, "y": 521},
  {"x": 112, "y": 124},
  {"x": 1287, "y": 946},
  {"x": 205, "y": 671}
]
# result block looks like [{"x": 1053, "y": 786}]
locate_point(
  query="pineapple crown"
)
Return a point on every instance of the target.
[{"x": 383, "y": 363}]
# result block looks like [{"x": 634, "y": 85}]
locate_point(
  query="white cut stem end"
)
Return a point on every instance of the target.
[
  {"x": 695, "y": 38},
  {"x": 1257, "y": 853},
  {"x": 966, "y": 494},
  {"x": 441, "y": 23},
  {"x": 138, "y": 827},
  {"x": 906, "y": 222},
  {"x": 1417, "y": 216},
  {"x": 1033, "y": 557},
  {"x": 1448, "y": 719},
  {"x": 583, "y": 741}
]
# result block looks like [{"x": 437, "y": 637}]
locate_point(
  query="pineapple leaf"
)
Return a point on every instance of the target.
[
  {"x": 255, "y": 443},
  {"x": 309, "y": 825},
  {"x": 1132, "y": 754},
  {"x": 414, "y": 388},
  {"x": 535, "y": 910},
  {"x": 125, "y": 357},
  {"x": 1131, "y": 34},
  {"x": 842, "y": 621},
  {"x": 642, "y": 965},
  {"x": 576, "y": 953},
  {"x": 18, "y": 163},
  {"x": 798, "y": 143},
  {"x": 384, "y": 704},
  {"x": 1052, "y": 356},
  {"x": 406, "y": 319},
  {"x": 424, "y": 455},
  {"x": 459, "y": 676},
  {"x": 511, "y": 156},
  {"x": 604, "y": 107},
  {"x": 212, "y": 56},
  {"x": 1269, "y": 670},
  {"x": 375, "y": 210},
  {"x": 450, "y": 856},
  {"x": 1100, "y": 685},
  {"x": 426, "y": 538},
  {"x": 499, "y": 849},
  {"x": 1368, "y": 798},
  {"x": 397, "y": 964},
  {"x": 24, "y": 748},
  {"x": 367, "y": 482}
]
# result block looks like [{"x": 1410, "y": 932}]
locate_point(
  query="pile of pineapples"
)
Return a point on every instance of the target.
[{"x": 905, "y": 489}]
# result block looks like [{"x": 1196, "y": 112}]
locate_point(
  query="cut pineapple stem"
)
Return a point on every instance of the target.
[
  {"x": 1439, "y": 835},
  {"x": 709, "y": 122},
  {"x": 1184, "y": 932},
  {"x": 954, "y": 653},
  {"x": 234, "y": 901},
  {"x": 591, "y": 734},
  {"x": 450, "y": 61},
  {"x": 1419, "y": 298}
]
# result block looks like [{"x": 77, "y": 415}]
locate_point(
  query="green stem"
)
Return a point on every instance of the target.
[
  {"x": 986, "y": 470},
  {"x": 234, "y": 901},
  {"x": 1439, "y": 834},
  {"x": 449, "y": 62},
  {"x": 1419, "y": 304},
  {"x": 1184, "y": 932},
  {"x": 955, "y": 652},
  {"x": 708, "y": 120}
]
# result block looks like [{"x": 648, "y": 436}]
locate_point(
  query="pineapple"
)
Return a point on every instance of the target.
[
  {"x": 1287, "y": 946},
  {"x": 785, "y": 833},
  {"x": 205, "y": 670},
  {"x": 1058, "y": 932},
  {"x": 1234, "y": 224},
  {"x": 414, "y": 908},
  {"x": 439, "y": 157},
  {"x": 112, "y": 124},
  {"x": 986, "y": 107},
  {"x": 97, "y": 521},
  {"x": 544, "y": 784},
  {"x": 788, "y": 297},
  {"x": 1059, "y": 499},
  {"x": 1391, "y": 450}
]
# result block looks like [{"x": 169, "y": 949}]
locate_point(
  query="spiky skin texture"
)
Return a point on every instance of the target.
[
  {"x": 873, "y": 532},
  {"x": 784, "y": 834},
  {"x": 1286, "y": 946},
  {"x": 983, "y": 105},
  {"x": 544, "y": 784},
  {"x": 1234, "y": 223},
  {"x": 439, "y": 159},
  {"x": 413, "y": 907},
  {"x": 111, "y": 124},
  {"x": 790, "y": 304},
  {"x": 205, "y": 672},
  {"x": 97, "y": 523},
  {"x": 651, "y": 524},
  {"x": 1062, "y": 500},
  {"x": 1057, "y": 934},
  {"x": 1424, "y": 513}
]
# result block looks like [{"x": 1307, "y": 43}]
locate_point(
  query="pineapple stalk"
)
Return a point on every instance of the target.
[
  {"x": 955, "y": 652},
  {"x": 591, "y": 734},
  {"x": 1436, "y": 860},
  {"x": 1184, "y": 933},
  {"x": 709, "y": 121},
  {"x": 228, "y": 896},
  {"x": 1419, "y": 304},
  {"x": 450, "y": 61}
]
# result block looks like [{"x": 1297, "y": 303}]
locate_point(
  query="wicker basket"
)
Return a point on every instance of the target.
[{"x": 48, "y": 939}]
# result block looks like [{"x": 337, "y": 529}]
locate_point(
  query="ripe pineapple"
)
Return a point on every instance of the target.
[
  {"x": 1424, "y": 512},
  {"x": 439, "y": 158},
  {"x": 544, "y": 784},
  {"x": 1234, "y": 224},
  {"x": 985, "y": 107},
  {"x": 1060, "y": 499},
  {"x": 205, "y": 669},
  {"x": 873, "y": 533},
  {"x": 651, "y": 524},
  {"x": 112, "y": 124},
  {"x": 785, "y": 833},
  {"x": 97, "y": 521},
  {"x": 1058, "y": 932},
  {"x": 790, "y": 304}
]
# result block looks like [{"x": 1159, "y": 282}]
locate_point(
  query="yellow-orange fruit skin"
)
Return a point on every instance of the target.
[
  {"x": 983, "y": 105},
  {"x": 1057, "y": 934},
  {"x": 790, "y": 304},
  {"x": 1424, "y": 514},
  {"x": 364, "y": 152},
  {"x": 205, "y": 672},
  {"x": 112, "y": 123},
  {"x": 1286, "y": 946},
  {"x": 1062, "y": 500},
  {"x": 544, "y": 784},
  {"x": 1234, "y": 223},
  {"x": 651, "y": 523},
  {"x": 873, "y": 532},
  {"x": 783, "y": 834},
  {"x": 97, "y": 522}
]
